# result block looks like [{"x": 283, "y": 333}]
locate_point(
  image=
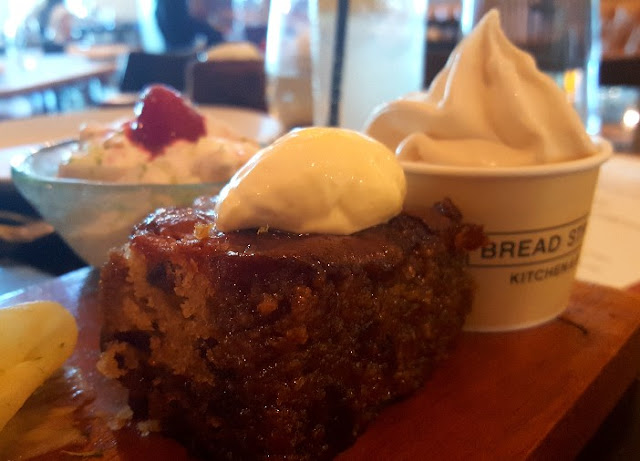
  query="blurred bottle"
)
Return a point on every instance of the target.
[
  {"x": 288, "y": 63},
  {"x": 564, "y": 38},
  {"x": 250, "y": 19},
  {"x": 28, "y": 43}
]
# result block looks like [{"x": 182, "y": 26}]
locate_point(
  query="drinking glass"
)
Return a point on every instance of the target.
[
  {"x": 250, "y": 21},
  {"x": 364, "y": 53},
  {"x": 28, "y": 44},
  {"x": 564, "y": 38},
  {"x": 288, "y": 63}
]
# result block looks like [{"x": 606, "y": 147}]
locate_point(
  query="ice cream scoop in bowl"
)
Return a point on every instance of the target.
[
  {"x": 93, "y": 216},
  {"x": 94, "y": 190}
]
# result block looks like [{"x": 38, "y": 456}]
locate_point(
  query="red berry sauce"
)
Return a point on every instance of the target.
[{"x": 162, "y": 118}]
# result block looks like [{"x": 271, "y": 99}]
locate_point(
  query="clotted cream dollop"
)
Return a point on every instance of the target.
[{"x": 314, "y": 180}]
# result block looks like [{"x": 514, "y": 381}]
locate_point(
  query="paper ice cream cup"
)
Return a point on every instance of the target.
[{"x": 535, "y": 218}]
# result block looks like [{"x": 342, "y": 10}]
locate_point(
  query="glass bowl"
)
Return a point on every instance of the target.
[{"x": 93, "y": 216}]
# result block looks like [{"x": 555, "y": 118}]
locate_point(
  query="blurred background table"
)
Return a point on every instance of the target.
[
  {"x": 52, "y": 82},
  {"x": 50, "y": 71}
]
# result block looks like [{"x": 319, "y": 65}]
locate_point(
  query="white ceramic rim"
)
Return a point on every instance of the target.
[{"x": 605, "y": 151}]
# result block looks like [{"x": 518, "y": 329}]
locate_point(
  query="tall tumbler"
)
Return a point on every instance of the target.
[
  {"x": 250, "y": 21},
  {"x": 288, "y": 63},
  {"x": 564, "y": 38},
  {"x": 364, "y": 53}
]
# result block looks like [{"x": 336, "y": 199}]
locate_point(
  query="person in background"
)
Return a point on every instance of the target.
[
  {"x": 181, "y": 23},
  {"x": 221, "y": 13}
]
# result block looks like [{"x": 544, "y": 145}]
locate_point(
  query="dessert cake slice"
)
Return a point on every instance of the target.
[{"x": 257, "y": 344}]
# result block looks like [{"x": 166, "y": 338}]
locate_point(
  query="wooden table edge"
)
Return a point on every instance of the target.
[{"x": 591, "y": 410}]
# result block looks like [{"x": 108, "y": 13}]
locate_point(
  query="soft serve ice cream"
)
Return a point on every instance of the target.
[
  {"x": 314, "y": 180},
  {"x": 499, "y": 138},
  {"x": 167, "y": 142},
  {"x": 489, "y": 107}
]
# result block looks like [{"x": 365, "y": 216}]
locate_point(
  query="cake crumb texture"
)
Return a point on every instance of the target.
[{"x": 250, "y": 345}]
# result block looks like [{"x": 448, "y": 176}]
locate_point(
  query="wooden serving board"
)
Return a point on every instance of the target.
[{"x": 538, "y": 393}]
